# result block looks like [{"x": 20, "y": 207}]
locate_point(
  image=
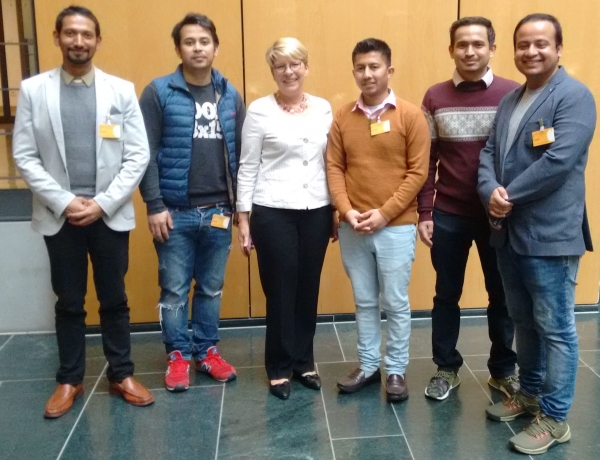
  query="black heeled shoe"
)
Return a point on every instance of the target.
[
  {"x": 281, "y": 390},
  {"x": 312, "y": 381}
]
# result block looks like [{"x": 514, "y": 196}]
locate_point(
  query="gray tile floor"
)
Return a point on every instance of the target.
[{"x": 240, "y": 420}]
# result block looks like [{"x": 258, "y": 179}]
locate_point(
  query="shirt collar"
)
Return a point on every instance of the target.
[
  {"x": 88, "y": 78},
  {"x": 390, "y": 100},
  {"x": 488, "y": 78}
]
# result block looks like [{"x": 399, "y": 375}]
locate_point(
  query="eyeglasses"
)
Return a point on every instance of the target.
[{"x": 294, "y": 66}]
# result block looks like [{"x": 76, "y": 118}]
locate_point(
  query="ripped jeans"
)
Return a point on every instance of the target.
[{"x": 194, "y": 250}]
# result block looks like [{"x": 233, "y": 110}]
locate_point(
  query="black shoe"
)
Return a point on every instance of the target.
[
  {"x": 312, "y": 381},
  {"x": 281, "y": 390},
  {"x": 356, "y": 380}
]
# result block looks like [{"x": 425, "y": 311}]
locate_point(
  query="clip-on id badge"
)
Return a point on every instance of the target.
[
  {"x": 544, "y": 136},
  {"x": 108, "y": 130},
  {"x": 220, "y": 221},
  {"x": 380, "y": 127}
]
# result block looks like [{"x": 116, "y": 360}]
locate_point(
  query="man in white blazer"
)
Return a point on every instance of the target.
[{"x": 80, "y": 144}]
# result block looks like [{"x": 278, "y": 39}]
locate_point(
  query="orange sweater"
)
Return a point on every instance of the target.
[{"x": 384, "y": 172}]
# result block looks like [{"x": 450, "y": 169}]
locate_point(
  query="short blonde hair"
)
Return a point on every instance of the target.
[{"x": 287, "y": 47}]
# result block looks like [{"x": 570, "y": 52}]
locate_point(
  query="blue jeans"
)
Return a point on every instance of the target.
[
  {"x": 194, "y": 250},
  {"x": 379, "y": 267},
  {"x": 540, "y": 294}
]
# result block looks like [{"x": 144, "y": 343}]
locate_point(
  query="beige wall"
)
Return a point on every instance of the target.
[{"x": 137, "y": 47}]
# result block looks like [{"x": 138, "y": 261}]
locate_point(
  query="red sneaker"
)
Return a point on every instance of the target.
[
  {"x": 216, "y": 366},
  {"x": 177, "y": 377}
]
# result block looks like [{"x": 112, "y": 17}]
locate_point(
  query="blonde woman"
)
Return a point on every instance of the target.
[{"x": 282, "y": 180}]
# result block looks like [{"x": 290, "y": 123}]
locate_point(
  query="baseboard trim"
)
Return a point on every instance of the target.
[{"x": 323, "y": 319}]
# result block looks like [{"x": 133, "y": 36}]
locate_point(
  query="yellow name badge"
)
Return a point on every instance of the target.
[
  {"x": 543, "y": 136},
  {"x": 220, "y": 221},
  {"x": 380, "y": 127},
  {"x": 110, "y": 131}
]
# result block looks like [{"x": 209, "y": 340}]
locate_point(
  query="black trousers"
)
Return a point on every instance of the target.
[
  {"x": 290, "y": 246},
  {"x": 453, "y": 236},
  {"x": 109, "y": 252}
]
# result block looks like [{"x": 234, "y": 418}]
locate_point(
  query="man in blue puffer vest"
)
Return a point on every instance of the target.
[{"x": 194, "y": 120}]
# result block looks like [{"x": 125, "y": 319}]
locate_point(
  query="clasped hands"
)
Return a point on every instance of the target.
[
  {"x": 82, "y": 211},
  {"x": 366, "y": 223},
  {"x": 499, "y": 206}
]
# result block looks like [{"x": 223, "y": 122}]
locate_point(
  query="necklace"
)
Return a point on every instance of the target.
[{"x": 290, "y": 108}]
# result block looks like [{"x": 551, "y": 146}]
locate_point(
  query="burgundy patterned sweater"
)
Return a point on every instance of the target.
[{"x": 460, "y": 118}]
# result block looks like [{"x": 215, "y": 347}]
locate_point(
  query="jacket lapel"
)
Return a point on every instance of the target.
[
  {"x": 555, "y": 80},
  {"x": 53, "y": 101},
  {"x": 103, "y": 98}
]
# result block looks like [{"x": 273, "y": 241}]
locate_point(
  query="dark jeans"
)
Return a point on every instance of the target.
[
  {"x": 290, "y": 246},
  {"x": 68, "y": 251},
  {"x": 453, "y": 236}
]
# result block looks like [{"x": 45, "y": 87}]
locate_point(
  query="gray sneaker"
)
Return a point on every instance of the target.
[
  {"x": 513, "y": 407},
  {"x": 441, "y": 384},
  {"x": 543, "y": 433},
  {"x": 508, "y": 385}
]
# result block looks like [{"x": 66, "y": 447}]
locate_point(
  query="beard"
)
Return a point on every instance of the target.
[{"x": 78, "y": 60}]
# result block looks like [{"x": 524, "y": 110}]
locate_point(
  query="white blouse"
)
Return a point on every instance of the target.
[{"x": 282, "y": 162}]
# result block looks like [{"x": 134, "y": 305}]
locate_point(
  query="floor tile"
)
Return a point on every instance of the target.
[
  {"x": 591, "y": 359},
  {"x": 257, "y": 425},
  {"x": 24, "y": 432},
  {"x": 246, "y": 347},
  {"x": 183, "y": 426},
  {"x": 4, "y": 339},
  {"x": 588, "y": 329},
  {"x": 365, "y": 413},
  {"x": 455, "y": 428},
  {"x": 35, "y": 356},
  {"x": 326, "y": 345},
  {"x": 385, "y": 448},
  {"x": 347, "y": 334},
  {"x": 243, "y": 347}
]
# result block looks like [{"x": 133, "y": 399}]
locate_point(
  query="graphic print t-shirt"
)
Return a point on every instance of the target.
[{"x": 207, "y": 180}]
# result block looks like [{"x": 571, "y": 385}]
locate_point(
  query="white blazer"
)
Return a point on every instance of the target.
[{"x": 39, "y": 150}]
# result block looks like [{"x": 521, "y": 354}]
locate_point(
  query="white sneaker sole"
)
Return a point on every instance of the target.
[
  {"x": 445, "y": 395},
  {"x": 544, "y": 449},
  {"x": 501, "y": 388}
]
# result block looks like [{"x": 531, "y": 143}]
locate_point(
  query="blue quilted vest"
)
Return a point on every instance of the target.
[{"x": 175, "y": 151}]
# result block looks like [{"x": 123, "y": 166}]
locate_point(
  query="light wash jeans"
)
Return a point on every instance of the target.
[
  {"x": 194, "y": 250},
  {"x": 540, "y": 295},
  {"x": 379, "y": 267}
]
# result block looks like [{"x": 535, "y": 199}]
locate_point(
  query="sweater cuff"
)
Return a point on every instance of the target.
[
  {"x": 425, "y": 216},
  {"x": 155, "y": 206}
]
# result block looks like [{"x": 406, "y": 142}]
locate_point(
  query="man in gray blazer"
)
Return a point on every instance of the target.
[
  {"x": 532, "y": 182},
  {"x": 80, "y": 144}
]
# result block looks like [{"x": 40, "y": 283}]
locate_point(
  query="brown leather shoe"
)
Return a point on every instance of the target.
[
  {"x": 132, "y": 391},
  {"x": 356, "y": 380},
  {"x": 62, "y": 400},
  {"x": 396, "y": 388}
]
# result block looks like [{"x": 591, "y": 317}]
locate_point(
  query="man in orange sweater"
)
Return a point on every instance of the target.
[{"x": 377, "y": 161}]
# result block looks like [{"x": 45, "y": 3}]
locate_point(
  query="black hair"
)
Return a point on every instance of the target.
[
  {"x": 535, "y": 17},
  {"x": 75, "y": 10},
  {"x": 195, "y": 19},
  {"x": 373, "y": 44},
  {"x": 473, "y": 21}
]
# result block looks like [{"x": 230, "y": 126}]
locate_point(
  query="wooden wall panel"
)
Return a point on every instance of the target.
[
  {"x": 580, "y": 35},
  {"x": 137, "y": 46},
  {"x": 416, "y": 31}
]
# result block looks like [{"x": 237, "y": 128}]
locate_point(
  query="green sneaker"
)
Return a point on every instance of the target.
[
  {"x": 543, "y": 433},
  {"x": 513, "y": 407},
  {"x": 441, "y": 384},
  {"x": 508, "y": 385}
]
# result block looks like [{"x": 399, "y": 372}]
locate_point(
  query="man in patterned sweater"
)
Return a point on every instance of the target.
[{"x": 460, "y": 113}]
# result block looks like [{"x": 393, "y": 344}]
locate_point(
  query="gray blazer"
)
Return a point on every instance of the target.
[
  {"x": 546, "y": 184},
  {"x": 39, "y": 150}
]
